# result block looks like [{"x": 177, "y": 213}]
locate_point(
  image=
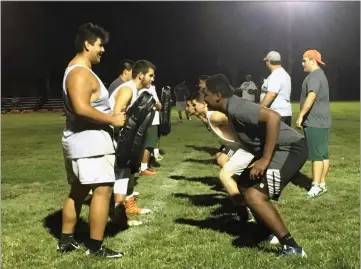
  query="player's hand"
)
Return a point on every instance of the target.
[
  {"x": 158, "y": 106},
  {"x": 299, "y": 122},
  {"x": 119, "y": 119},
  {"x": 258, "y": 168}
]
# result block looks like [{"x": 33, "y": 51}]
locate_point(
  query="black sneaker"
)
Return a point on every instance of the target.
[
  {"x": 67, "y": 247},
  {"x": 105, "y": 253},
  {"x": 289, "y": 251}
]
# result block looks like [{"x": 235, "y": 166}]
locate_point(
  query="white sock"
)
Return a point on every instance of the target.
[
  {"x": 156, "y": 152},
  {"x": 322, "y": 185},
  {"x": 143, "y": 166},
  {"x": 315, "y": 184}
]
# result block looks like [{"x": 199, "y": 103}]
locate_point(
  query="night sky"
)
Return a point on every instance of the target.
[{"x": 183, "y": 39}]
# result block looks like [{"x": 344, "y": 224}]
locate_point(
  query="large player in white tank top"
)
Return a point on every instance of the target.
[{"x": 87, "y": 143}]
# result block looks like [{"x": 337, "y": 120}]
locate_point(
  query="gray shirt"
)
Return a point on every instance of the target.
[
  {"x": 181, "y": 92},
  {"x": 319, "y": 116},
  {"x": 243, "y": 116},
  {"x": 115, "y": 84}
]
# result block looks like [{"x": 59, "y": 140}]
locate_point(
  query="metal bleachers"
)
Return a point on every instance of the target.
[{"x": 31, "y": 104}]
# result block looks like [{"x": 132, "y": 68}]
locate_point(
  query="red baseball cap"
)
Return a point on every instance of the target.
[{"x": 315, "y": 55}]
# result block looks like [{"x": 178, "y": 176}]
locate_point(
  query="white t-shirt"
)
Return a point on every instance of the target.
[
  {"x": 153, "y": 92},
  {"x": 248, "y": 85},
  {"x": 279, "y": 81}
]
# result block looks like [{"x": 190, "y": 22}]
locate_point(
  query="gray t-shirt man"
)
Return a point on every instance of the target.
[
  {"x": 181, "y": 92},
  {"x": 243, "y": 115},
  {"x": 114, "y": 85},
  {"x": 319, "y": 116}
]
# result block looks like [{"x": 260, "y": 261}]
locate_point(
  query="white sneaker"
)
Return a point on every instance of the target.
[
  {"x": 136, "y": 193},
  {"x": 273, "y": 240},
  {"x": 314, "y": 191},
  {"x": 323, "y": 188}
]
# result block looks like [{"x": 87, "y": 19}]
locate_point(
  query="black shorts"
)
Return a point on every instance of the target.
[
  {"x": 283, "y": 167},
  {"x": 287, "y": 120},
  {"x": 229, "y": 150}
]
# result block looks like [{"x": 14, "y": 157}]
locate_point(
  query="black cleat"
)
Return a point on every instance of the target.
[
  {"x": 105, "y": 253},
  {"x": 67, "y": 247},
  {"x": 290, "y": 251}
]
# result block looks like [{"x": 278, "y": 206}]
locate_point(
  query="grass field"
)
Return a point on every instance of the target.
[{"x": 191, "y": 226}]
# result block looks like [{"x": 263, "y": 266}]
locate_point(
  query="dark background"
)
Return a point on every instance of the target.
[{"x": 183, "y": 39}]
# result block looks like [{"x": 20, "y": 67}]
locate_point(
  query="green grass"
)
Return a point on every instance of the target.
[{"x": 190, "y": 227}]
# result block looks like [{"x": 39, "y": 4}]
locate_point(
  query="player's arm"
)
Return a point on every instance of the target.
[
  {"x": 310, "y": 99},
  {"x": 274, "y": 86},
  {"x": 253, "y": 90},
  {"x": 218, "y": 119},
  {"x": 313, "y": 86},
  {"x": 122, "y": 99},
  {"x": 79, "y": 89}
]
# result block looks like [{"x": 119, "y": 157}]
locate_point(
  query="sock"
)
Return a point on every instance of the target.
[
  {"x": 322, "y": 185},
  {"x": 143, "y": 166},
  {"x": 156, "y": 152},
  {"x": 66, "y": 238},
  {"x": 315, "y": 184},
  {"x": 288, "y": 240},
  {"x": 94, "y": 245}
]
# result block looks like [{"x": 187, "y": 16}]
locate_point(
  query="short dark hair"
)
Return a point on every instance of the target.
[
  {"x": 198, "y": 96},
  {"x": 142, "y": 66},
  {"x": 191, "y": 96},
  {"x": 219, "y": 84},
  {"x": 203, "y": 77},
  {"x": 90, "y": 32},
  {"x": 126, "y": 64}
]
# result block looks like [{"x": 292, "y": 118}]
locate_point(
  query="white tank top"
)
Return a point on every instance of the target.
[
  {"x": 135, "y": 94},
  {"x": 224, "y": 141},
  {"x": 81, "y": 137}
]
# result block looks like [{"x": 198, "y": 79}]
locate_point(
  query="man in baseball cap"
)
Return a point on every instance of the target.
[
  {"x": 277, "y": 88},
  {"x": 315, "y": 119},
  {"x": 314, "y": 55},
  {"x": 273, "y": 56}
]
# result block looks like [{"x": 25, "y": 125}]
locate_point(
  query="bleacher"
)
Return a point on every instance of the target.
[{"x": 30, "y": 104}]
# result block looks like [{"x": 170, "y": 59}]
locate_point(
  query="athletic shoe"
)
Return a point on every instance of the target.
[
  {"x": 131, "y": 207},
  {"x": 136, "y": 193},
  {"x": 148, "y": 172},
  {"x": 105, "y": 253},
  {"x": 158, "y": 157},
  {"x": 68, "y": 247},
  {"x": 133, "y": 222},
  {"x": 273, "y": 240},
  {"x": 290, "y": 251},
  {"x": 323, "y": 188},
  {"x": 314, "y": 191}
]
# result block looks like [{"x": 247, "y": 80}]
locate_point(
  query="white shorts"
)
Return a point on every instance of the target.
[
  {"x": 180, "y": 106},
  {"x": 239, "y": 161},
  {"x": 92, "y": 170}
]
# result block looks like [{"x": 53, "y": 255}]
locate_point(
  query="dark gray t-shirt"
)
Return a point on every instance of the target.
[
  {"x": 181, "y": 93},
  {"x": 319, "y": 116},
  {"x": 243, "y": 116},
  {"x": 114, "y": 85}
]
